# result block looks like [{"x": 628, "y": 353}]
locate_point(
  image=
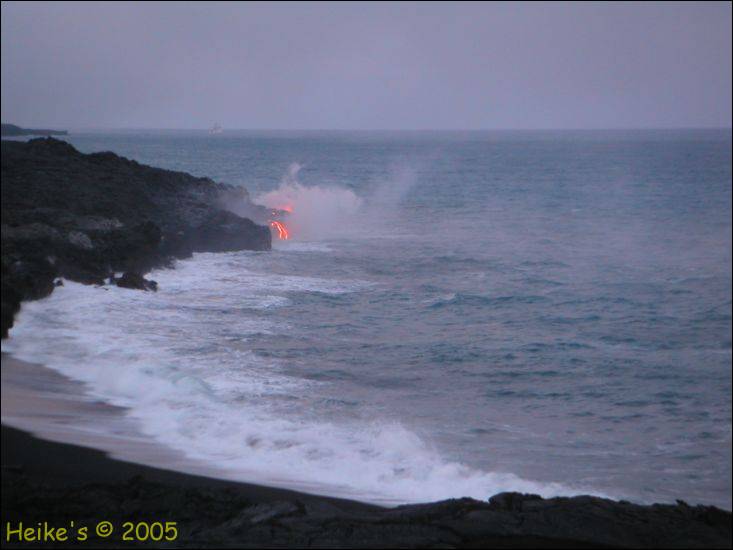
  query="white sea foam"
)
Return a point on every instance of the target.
[
  {"x": 301, "y": 246},
  {"x": 179, "y": 360}
]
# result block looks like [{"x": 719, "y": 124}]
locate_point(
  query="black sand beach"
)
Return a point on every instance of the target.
[
  {"x": 74, "y": 486},
  {"x": 59, "y": 484}
]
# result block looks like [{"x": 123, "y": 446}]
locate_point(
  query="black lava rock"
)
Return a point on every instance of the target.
[
  {"x": 83, "y": 217},
  {"x": 134, "y": 280}
]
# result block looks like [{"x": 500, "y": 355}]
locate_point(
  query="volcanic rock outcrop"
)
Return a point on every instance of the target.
[{"x": 85, "y": 217}]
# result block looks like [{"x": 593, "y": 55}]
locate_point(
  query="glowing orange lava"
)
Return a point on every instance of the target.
[{"x": 282, "y": 231}]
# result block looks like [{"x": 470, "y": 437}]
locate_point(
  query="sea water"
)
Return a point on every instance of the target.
[{"x": 455, "y": 314}]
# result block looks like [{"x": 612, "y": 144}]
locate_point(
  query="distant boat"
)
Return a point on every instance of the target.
[{"x": 216, "y": 129}]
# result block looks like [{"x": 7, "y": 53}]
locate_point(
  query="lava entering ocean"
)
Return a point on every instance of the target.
[{"x": 282, "y": 231}]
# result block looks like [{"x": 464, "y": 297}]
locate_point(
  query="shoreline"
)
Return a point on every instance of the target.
[
  {"x": 50, "y": 406},
  {"x": 73, "y": 417},
  {"x": 60, "y": 483},
  {"x": 61, "y": 476},
  {"x": 25, "y": 454}
]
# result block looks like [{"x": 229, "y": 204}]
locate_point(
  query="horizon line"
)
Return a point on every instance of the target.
[{"x": 503, "y": 129}]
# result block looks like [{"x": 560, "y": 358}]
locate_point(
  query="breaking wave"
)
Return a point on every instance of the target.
[{"x": 180, "y": 362}]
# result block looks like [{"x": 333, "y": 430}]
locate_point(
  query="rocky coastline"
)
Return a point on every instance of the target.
[
  {"x": 87, "y": 217},
  {"x": 103, "y": 219}
]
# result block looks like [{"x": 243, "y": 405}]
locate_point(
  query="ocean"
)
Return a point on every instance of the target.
[{"x": 455, "y": 314}]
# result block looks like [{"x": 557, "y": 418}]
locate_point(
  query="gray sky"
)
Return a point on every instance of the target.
[{"x": 373, "y": 66}]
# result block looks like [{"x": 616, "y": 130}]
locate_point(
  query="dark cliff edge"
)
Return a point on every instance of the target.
[
  {"x": 84, "y": 217},
  {"x": 13, "y": 130}
]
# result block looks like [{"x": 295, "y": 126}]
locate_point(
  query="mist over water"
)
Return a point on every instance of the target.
[
  {"x": 318, "y": 212},
  {"x": 455, "y": 314},
  {"x": 314, "y": 211}
]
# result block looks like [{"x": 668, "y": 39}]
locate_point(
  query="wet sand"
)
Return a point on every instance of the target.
[
  {"x": 53, "y": 407},
  {"x": 59, "y": 479},
  {"x": 47, "y": 416}
]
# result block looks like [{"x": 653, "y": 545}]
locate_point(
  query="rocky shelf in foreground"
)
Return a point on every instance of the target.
[
  {"x": 85, "y": 217},
  {"x": 59, "y": 483}
]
